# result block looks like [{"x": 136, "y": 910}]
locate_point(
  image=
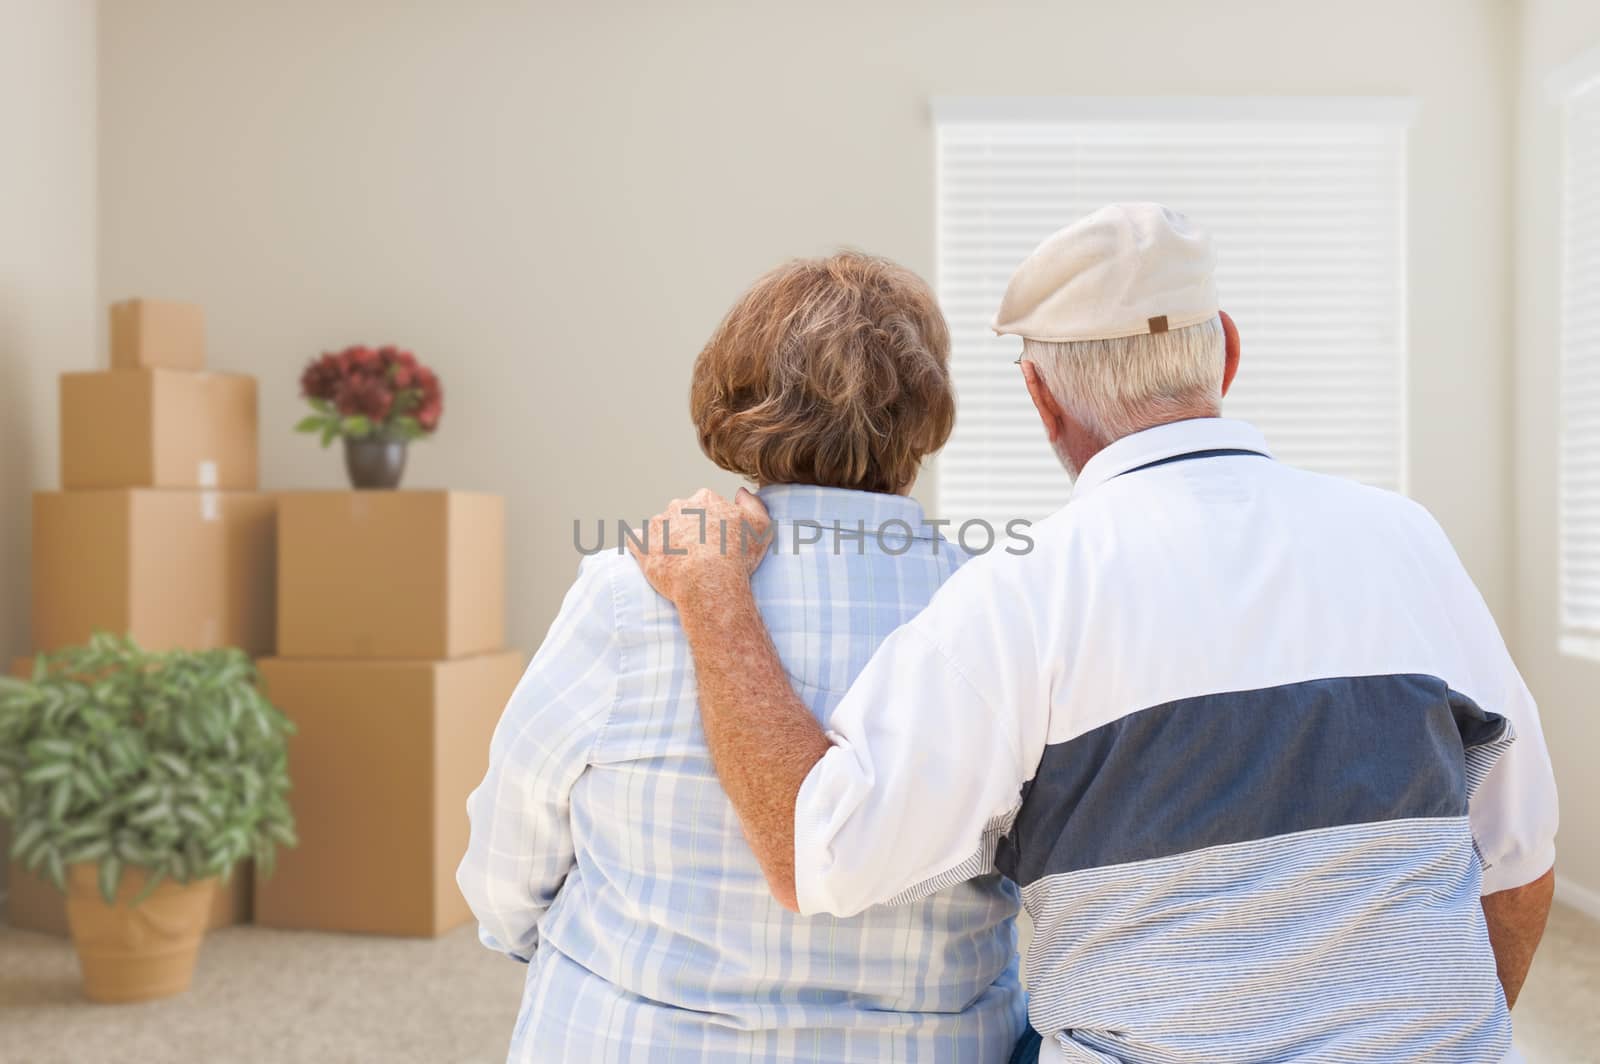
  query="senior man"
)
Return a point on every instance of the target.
[{"x": 1246, "y": 736}]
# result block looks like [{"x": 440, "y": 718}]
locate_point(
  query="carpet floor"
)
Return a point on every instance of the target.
[{"x": 281, "y": 997}]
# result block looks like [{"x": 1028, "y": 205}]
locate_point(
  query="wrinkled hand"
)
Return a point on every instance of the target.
[{"x": 704, "y": 545}]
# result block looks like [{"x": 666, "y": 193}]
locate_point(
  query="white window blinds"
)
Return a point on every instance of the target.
[
  {"x": 1580, "y": 373},
  {"x": 1305, "y": 202}
]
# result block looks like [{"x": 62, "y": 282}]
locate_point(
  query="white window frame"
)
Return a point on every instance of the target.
[
  {"x": 1293, "y": 113},
  {"x": 1578, "y": 80}
]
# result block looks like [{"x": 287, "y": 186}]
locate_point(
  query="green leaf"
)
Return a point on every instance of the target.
[
  {"x": 144, "y": 794},
  {"x": 330, "y": 432},
  {"x": 153, "y": 879},
  {"x": 52, "y": 770},
  {"x": 55, "y": 702},
  {"x": 92, "y": 850},
  {"x": 356, "y": 425},
  {"x": 60, "y": 799},
  {"x": 84, "y": 829},
  {"x": 310, "y": 423},
  {"x": 55, "y": 871},
  {"x": 32, "y": 831},
  {"x": 97, "y": 771},
  {"x": 320, "y": 405},
  {"x": 120, "y": 752},
  {"x": 52, "y": 750},
  {"x": 110, "y": 878},
  {"x": 132, "y": 852},
  {"x": 151, "y": 815},
  {"x": 85, "y": 783},
  {"x": 172, "y": 763}
]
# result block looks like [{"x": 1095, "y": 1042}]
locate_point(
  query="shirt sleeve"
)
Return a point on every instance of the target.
[
  {"x": 1514, "y": 810},
  {"x": 926, "y": 770},
  {"x": 520, "y": 847},
  {"x": 1512, "y": 804}
]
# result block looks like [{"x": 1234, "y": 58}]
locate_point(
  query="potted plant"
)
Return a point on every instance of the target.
[
  {"x": 135, "y": 780},
  {"x": 376, "y": 399}
]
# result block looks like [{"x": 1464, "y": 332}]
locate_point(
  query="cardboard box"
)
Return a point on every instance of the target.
[
  {"x": 158, "y": 428},
  {"x": 385, "y": 755},
  {"x": 390, "y": 574},
  {"x": 191, "y": 569},
  {"x": 34, "y": 904},
  {"x": 157, "y": 334}
]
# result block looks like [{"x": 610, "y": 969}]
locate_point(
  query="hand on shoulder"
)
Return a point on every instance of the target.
[{"x": 704, "y": 545}]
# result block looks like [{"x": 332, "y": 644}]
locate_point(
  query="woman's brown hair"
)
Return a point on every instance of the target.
[{"x": 831, "y": 371}]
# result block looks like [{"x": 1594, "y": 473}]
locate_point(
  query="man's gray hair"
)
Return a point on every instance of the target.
[{"x": 1115, "y": 388}]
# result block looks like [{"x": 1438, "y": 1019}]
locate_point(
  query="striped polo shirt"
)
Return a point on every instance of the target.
[{"x": 1247, "y": 738}]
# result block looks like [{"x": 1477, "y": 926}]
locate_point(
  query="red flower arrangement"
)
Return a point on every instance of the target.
[{"x": 363, "y": 392}]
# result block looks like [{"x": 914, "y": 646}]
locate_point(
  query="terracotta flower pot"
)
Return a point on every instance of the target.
[{"x": 135, "y": 953}]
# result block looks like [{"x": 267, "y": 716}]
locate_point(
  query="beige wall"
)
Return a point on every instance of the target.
[
  {"x": 555, "y": 202},
  {"x": 48, "y": 310},
  {"x": 49, "y": 314},
  {"x": 1554, "y": 32}
]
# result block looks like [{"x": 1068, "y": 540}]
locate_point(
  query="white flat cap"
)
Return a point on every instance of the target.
[{"x": 1126, "y": 269}]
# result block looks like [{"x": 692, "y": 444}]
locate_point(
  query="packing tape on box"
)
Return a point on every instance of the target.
[
  {"x": 210, "y": 506},
  {"x": 207, "y": 474}
]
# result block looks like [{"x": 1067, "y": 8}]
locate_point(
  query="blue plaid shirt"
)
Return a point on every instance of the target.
[{"x": 605, "y": 853}]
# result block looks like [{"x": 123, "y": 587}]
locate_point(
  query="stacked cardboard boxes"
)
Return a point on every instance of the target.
[
  {"x": 391, "y": 628},
  {"x": 158, "y": 532}
]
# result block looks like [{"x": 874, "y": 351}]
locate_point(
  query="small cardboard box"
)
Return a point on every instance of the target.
[
  {"x": 384, "y": 756},
  {"x": 157, "y": 334},
  {"x": 34, "y": 904},
  {"x": 158, "y": 428},
  {"x": 191, "y": 569},
  {"x": 390, "y": 574}
]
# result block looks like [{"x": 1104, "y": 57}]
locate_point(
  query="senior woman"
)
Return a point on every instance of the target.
[{"x": 604, "y": 852}]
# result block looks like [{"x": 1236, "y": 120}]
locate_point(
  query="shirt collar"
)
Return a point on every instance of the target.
[
  {"x": 1168, "y": 441},
  {"x": 790, "y": 503}
]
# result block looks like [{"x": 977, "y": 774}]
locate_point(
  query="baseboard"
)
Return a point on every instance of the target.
[{"x": 1578, "y": 896}]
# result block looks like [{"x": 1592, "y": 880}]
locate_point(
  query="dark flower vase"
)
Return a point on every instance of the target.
[{"x": 374, "y": 462}]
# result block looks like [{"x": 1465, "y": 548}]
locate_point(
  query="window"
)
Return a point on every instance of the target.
[
  {"x": 1580, "y": 366},
  {"x": 1305, "y": 203}
]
